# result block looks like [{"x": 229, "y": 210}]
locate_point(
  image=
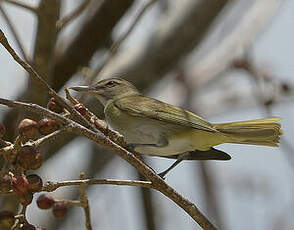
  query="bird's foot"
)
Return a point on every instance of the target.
[{"x": 162, "y": 175}]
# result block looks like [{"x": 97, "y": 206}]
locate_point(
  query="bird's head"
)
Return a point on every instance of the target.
[{"x": 108, "y": 89}]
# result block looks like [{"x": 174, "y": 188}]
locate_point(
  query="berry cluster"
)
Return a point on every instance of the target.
[
  {"x": 20, "y": 157},
  {"x": 59, "y": 208}
]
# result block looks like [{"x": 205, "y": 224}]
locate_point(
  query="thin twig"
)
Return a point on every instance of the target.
[
  {"x": 70, "y": 202},
  {"x": 32, "y": 8},
  {"x": 115, "y": 46},
  {"x": 52, "y": 186},
  {"x": 52, "y": 136},
  {"x": 85, "y": 202},
  {"x": 15, "y": 35},
  {"x": 63, "y": 22}
]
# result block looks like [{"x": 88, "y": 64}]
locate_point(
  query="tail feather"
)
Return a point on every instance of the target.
[{"x": 254, "y": 132}]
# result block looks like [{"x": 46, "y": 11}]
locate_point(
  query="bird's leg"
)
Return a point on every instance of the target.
[{"x": 178, "y": 161}]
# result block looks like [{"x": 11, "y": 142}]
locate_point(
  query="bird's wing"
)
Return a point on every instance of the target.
[{"x": 154, "y": 109}]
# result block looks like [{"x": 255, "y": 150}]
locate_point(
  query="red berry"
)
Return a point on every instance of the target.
[
  {"x": 5, "y": 183},
  {"x": 28, "y": 128},
  {"x": 20, "y": 184},
  {"x": 6, "y": 219},
  {"x": 59, "y": 209},
  {"x": 35, "y": 183},
  {"x": 26, "y": 198},
  {"x": 45, "y": 201},
  {"x": 54, "y": 106},
  {"x": 81, "y": 109},
  {"x": 47, "y": 126},
  {"x": 2, "y": 129},
  {"x": 26, "y": 156}
]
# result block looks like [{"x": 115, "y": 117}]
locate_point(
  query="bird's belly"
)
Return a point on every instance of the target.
[
  {"x": 134, "y": 129},
  {"x": 174, "y": 147}
]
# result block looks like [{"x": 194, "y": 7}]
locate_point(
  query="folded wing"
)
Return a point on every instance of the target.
[{"x": 154, "y": 109}]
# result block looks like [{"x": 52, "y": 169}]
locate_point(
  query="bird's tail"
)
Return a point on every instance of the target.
[{"x": 254, "y": 132}]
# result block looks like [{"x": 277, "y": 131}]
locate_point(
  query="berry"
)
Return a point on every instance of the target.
[
  {"x": 45, "y": 201},
  {"x": 54, "y": 106},
  {"x": 59, "y": 209},
  {"x": 81, "y": 109},
  {"x": 26, "y": 156},
  {"x": 6, "y": 219},
  {"x": 47, "y": 126},
  {"x": 28, "y": 128},
  {"x": 5, "y": 183},
  {"x": 20, "y": 184},
  {"x": 35, "y": 183},
  {"x": 2, "y": 129}
]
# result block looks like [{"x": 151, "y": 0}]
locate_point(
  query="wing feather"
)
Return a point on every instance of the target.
[{"x": 154, "y": 109}]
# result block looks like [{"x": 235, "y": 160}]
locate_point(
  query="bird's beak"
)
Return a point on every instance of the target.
[{"x": 82, "y": 88}]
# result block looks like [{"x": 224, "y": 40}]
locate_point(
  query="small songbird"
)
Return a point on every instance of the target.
[{"x": 152, "y": 127}]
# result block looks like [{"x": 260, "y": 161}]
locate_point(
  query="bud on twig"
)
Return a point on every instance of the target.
[
  {"x": 47, "y": 126},
  {"x": 81, "y": 109},
  {"x": 54, "y": 106},
  {"x": 28, "y": 128}
]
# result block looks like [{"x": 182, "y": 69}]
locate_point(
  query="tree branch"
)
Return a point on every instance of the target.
[
  {"x": 15, "y": 35},
  {"x": 52, "y": 186},
  {"x": 63, "y": 22},
  {"x": 115, "y": 46},
  {"x": 42, "y": 82},
  {"x": 23, "y": 5}
]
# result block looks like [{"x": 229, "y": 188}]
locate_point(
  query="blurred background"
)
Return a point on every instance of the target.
[{"x": 224, "y": 60}]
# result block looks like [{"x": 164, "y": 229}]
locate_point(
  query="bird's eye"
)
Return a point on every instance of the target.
[{"x": 110, "y": 84}]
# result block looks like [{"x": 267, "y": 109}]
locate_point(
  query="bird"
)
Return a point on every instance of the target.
[{"x": 152, "y": 127}]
